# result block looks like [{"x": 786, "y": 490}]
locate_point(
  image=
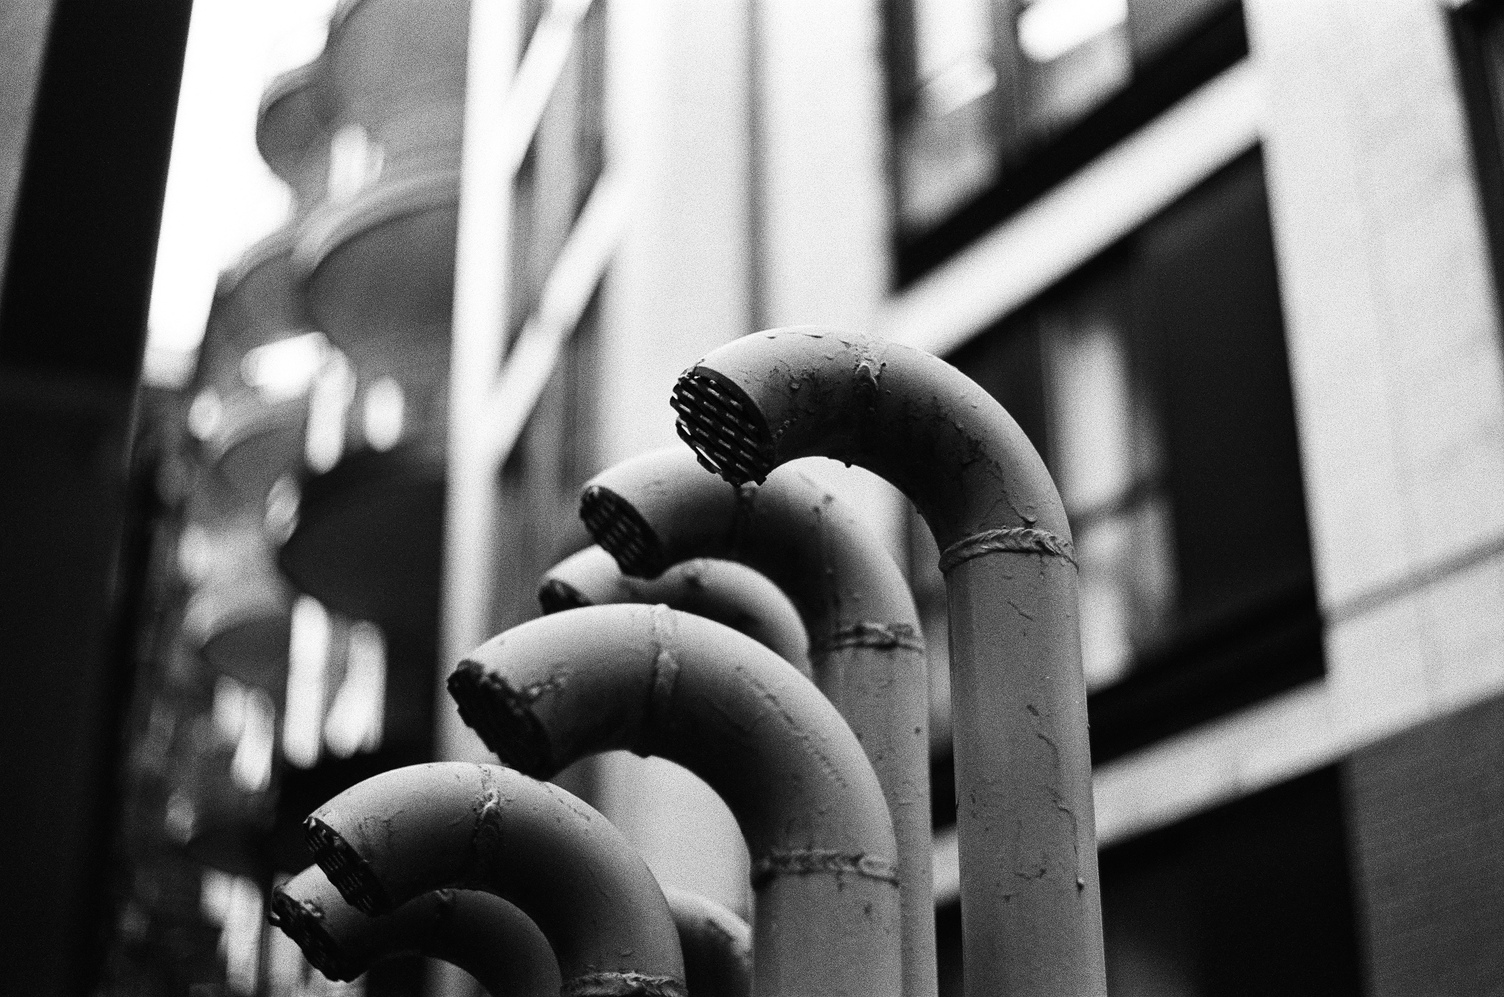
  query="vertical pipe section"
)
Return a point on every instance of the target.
[
  {"x": 1030, "y": 900},
  {"x": 480, "y": 933},
  {"x": 717, "y": 946},
  {"x": 665, "y": 683},
  {"x": 406, "y": 832},
  {"x": 657, "y": 509},
  {"x": 725, "y": 591}
]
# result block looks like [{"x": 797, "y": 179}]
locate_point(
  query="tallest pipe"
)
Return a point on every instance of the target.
[{"x": 1030, "y": 902}]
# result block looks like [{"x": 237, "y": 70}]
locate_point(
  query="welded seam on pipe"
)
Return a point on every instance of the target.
[
  {"x": 821, "y": 861},
  {"x": 485, "y": 840},
  {"x": 869, "y": 633},
  {"x": 665, "y": 672},
  {"x": 1014, "y": 540},
  {"x": 623, "y": 985}
]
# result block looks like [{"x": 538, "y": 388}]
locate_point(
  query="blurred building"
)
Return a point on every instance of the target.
[{"x": 1233, "y": 266}]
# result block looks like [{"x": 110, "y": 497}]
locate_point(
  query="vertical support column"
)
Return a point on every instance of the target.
[
  {"x": 80, "y": 203},
  {"x": 482, "y": 287}
]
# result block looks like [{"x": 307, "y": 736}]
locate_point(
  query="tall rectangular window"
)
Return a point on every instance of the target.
[
  {"x": 993, "y": 101},
  {"x": 1154, "y": 381}
]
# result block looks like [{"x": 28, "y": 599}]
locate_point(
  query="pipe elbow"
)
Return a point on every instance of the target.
[
  {"x": 411, "y": 830},
  {"x": 909, "y": 417},
  {"x": 662, "y": 508},
  {"x": 661, "y": 682},
  {"x": 729, "y": 593},
  {"x": 482, "y": 934}
]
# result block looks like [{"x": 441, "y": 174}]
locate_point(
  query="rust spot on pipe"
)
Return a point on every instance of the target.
[
  {"x": 821, "y": 862},
  {"x": 1016, "y": 540},
  {"x": 623, "y": 985}
]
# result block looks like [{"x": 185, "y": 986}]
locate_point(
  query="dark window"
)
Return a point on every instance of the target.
[
  {"x": 1478, "y": 29},
  {"x": 1154, "y": 381},
  {"x": 994, "y": 101},
  {"x": 1251, "y": 899}
]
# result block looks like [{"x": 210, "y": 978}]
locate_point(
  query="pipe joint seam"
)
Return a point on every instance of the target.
[
  {"x": 623, "y": 985},
  {"x": 821, "y": 862},
  {"x": 1015, "y": 540},
  {"x": 882, "y": 636}
]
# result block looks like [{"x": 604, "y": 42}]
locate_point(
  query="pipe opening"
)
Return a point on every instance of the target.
[
  {"x": 724, "y": 428},
  {"x": 620, "y": 529},
  {"x": 302, "y": 922},
  {"x": 555, "y": 596},
  {"x": 349, "y": 873},
  {"x": 500, "y": 715}
]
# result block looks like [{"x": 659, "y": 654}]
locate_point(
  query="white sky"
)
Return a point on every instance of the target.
[{"x": 221, "y": 197}]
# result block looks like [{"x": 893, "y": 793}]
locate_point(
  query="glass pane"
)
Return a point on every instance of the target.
[{"x": 948, "y": 145}]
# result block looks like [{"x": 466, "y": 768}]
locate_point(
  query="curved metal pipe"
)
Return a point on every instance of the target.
[
  {"x": 478, "y": 932},
  {"x": 725, "y": 591},
  {"x": 661, "y": 682},
  {"x": 1030, "y": 901},
  {"x": 406, "y": 832},
  {"x": 865, "y": 646},
  {"x": 717, "y": 946}
]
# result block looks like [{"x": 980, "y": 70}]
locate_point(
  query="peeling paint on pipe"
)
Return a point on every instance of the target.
[
  {"x": 866, "y": 652},
  {"x": 406, "y": 832},
  {"x": 478, "y": 932},
  {"x": 724, "y": 591},
  {"x": 1030, "y": 900},
  {"x": 717, "y": 946},
  {"x": 660, "y": 682}
]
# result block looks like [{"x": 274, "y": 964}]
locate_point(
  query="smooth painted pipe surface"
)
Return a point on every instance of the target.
[
  {"x": 1030, "y": 901},
  {"x": 478, "y": 932},
  {"x": 411, "y": 830},
  {"x": 725, "y": 591},
  {"x": 866, "y": 651},
  {"x": 717, "y": 945},
  {"x": 661, "y": 682}
]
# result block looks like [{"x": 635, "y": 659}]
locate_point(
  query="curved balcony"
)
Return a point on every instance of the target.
[
  {"x": 397, "y": 64},
  {"x": 369, "y": 538},
  {"x": 292, "y": 132}
]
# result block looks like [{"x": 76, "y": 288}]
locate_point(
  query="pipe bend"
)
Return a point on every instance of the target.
[
  {"x": 661, "y": 682},
  {"x": 1030, "y": 899},
  {"x": 866, "y": 650},
  {"x": 661, "y": 508},
  {"x": 411, "y": 830},
  {"x": 480, "y": 933},
  {"x": 724, "y": 591},
  {"x": 903, "y": 414},
  {"x": 717, "y": 945}
]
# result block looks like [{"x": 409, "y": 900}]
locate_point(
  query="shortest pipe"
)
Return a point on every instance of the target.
[
  {"x": 405, "y": 832},
  {"x": 717, "y": 945},
  {"x": 482, "y": 934},
  {"x": 729, "y": 593}
]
